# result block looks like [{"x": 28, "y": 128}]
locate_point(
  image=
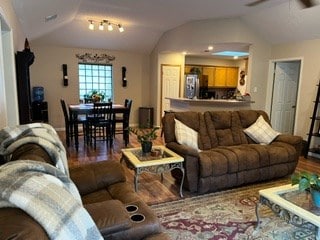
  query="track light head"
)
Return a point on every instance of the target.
[
  {"x": 91, "y": 25},
  {"x": 110, "y": 28},
  {"x": 121, "y": 29}
]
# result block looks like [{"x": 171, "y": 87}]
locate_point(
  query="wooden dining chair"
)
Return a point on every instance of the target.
[
  {"x": 100, "y": 123},
  {"x": 123, "y": 119},
  {"x": 71, "y": 124}
]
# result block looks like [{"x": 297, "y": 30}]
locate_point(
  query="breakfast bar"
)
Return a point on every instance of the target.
[{"x": 202, "y": 105}]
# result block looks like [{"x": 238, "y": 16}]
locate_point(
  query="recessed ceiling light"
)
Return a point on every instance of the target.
[
  {"x": 184, "y": 53},
  {"x": 231, "y": 53},
  {"x": 210, "y": 48},
  {"x": 51, "y": 17}
]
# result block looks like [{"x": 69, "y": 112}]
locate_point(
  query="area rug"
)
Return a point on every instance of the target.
[{"x": 227, "y": 215}]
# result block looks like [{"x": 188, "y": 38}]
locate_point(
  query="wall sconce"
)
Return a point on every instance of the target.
[
  {"x": 65, "y": 75},
  {"x": 124, "y": 79},
  {"x": 109, "y": 25}
]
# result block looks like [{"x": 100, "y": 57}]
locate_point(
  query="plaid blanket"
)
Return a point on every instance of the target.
[
  {"x": 42, "y": 134},
  {"x": 49, "y": 196}
]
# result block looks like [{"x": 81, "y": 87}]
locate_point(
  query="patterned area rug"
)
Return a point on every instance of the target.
[{"x": 227, "y": 215}]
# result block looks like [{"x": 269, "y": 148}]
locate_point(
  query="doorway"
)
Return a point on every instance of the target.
[
  {"x": 284, "y": 95},
  {"x": 170, "y": 85}
]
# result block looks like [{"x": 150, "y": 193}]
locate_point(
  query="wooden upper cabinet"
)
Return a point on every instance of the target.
[
  {"x": 209, "y": 71},
  {"x": 219, "y": 77},
  {"x": 232, "y": 77},
  {"x": 187, "y": 69},
  {"x": 226, "y": 77}
]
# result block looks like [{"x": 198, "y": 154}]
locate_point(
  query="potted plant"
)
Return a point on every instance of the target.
[
  {"x": 145, "y": 137},
  {"x": 95, "y": 95},
  {"x": 309, "y": 182}
]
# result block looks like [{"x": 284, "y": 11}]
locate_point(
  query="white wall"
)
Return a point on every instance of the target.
[
  {"x": 309, "y": 51},
  {"x": 46, "y": 71},
  {"x": 7, "y": 11}
]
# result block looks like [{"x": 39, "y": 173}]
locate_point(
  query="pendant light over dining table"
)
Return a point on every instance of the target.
[{"x": 104, "y": 23}]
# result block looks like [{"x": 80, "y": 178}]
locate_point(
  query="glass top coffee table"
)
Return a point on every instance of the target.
[
  {"x": 292, "y": 205},
  {"x": 160, "y": 160}
]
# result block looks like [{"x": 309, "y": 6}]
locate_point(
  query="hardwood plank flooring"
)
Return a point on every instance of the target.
[{"x": 151, "y": 189}]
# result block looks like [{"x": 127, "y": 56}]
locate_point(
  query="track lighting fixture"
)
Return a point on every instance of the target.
[{"x": 105, "y": 22}]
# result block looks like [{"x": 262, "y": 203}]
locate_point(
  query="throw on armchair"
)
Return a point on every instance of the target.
[{"x": 105, "y": 195}]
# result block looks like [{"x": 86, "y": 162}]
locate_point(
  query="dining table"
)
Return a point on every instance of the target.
[{"x": 86, "y": 109}]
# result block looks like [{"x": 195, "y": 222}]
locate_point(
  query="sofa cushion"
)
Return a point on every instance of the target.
[
  {"x": 261, "y": 131},
  {"x": 186, "y": 135},
  {"x": 224, "y": 128}
]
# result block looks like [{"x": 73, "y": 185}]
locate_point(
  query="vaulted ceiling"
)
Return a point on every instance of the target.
[{"x": 144, "y": 21}]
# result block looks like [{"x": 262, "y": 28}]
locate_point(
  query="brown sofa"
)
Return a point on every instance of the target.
[
  {"x": 227, "y": 156},
  {"x": 105, "y": 194}
]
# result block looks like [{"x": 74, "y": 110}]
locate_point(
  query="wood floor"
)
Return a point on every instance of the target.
[{"x": 151, "y": 189}]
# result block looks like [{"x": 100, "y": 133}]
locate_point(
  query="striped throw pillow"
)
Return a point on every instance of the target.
[
  {"x": 261, "y": 132},
  {"x": 186, "y": 135}
]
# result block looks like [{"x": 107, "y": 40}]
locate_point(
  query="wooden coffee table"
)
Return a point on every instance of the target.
[
  {"x": 292, "y": 205},
  {"x": 160, "y": 160}
]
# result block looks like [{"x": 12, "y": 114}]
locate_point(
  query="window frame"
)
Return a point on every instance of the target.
[{"x": 93, "y": 73}]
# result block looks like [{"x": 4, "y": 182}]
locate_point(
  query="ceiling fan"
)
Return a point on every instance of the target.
[{"x": 305, "y": 3}]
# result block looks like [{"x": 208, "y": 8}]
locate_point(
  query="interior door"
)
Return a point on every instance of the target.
[
  {"x": 170, "y": 76},
  {"x": 284, "y": 99}
]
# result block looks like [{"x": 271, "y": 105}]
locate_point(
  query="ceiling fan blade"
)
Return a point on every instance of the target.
[
  {"x": 255, "y": 3},
  {"x": 307, "y": 3}
]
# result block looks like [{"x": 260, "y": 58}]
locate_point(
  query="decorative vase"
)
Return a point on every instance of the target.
[
  {"x": 315, "y": 197},
  {"x": 146, "y": 146}
]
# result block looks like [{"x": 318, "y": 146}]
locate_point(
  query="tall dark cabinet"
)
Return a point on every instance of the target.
[{"x": 24, "y": 59}]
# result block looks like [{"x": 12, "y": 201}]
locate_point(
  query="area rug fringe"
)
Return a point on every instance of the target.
[{"x": 227, "y": 215}]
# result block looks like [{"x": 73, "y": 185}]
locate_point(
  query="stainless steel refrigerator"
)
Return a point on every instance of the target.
[{"x": 191, "y": 86}]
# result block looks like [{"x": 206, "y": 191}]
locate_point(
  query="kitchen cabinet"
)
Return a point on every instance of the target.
[
  {"x": 232, "y": 77},
  {"x": 209, "y": 71},
  {"x": 226, "y": 77},
  {"x": 189, "y": 68},
  {"x": 219, "y": 77}
]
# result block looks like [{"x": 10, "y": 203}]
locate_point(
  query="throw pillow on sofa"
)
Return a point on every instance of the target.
[
  {"x": 186, "y": 135},
  {"x": 261, "y": 132}
]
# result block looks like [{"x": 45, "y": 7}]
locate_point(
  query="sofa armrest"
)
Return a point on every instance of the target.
[
  {"x": 182, "y": 149},
  {"x": 295, "y": 141},
  {"x": 110, "y": 216},
  {"x": 95, "y": 176}
]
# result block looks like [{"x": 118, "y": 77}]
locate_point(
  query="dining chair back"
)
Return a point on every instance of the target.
[
  {"x": 100, "y": 123},
  {"x": 71, "y": 124},
  {"x": 124, "y": 119},
  {"x": 66, "y": 121}
]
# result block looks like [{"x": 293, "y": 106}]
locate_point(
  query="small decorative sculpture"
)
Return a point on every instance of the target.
[{"x": 242, "y": 78}]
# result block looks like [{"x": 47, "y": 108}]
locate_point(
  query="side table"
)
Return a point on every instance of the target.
[{"x": 164, "y": 160}]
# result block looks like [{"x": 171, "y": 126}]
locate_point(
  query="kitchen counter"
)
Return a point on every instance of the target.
[{"x": 202, "y": 105}]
